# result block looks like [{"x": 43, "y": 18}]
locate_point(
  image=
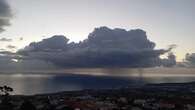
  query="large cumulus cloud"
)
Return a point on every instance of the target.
[
  {"x": 5, "y": 14},
  {"x": 104, "y": 47}
]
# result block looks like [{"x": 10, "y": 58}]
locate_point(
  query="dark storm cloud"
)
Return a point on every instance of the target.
[
  {"x": 12, "y": 61},
  {"x": 5, "y": 40},
  {"x": 6, "y": 60},
  {"x": 103, "y": 47},
  {"x": 8, "y": 56},
  {"x": 5, "y": 14}
]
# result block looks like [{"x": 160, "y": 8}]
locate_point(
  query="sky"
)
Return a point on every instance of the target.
[{"x": 165, "y": 21}]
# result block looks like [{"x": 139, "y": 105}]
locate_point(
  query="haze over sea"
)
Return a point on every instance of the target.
[{"x": 36, "y": 82}]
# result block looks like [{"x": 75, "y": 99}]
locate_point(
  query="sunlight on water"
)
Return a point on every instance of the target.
[{"x": 22, "y": 75}]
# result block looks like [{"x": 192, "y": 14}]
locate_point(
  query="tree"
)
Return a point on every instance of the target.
[
  {"x": 6, "y": 101},
  {"x": 5, "y": 90}
]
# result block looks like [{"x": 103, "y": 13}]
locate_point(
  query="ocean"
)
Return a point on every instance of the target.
[{"x": 39, "y": 82}]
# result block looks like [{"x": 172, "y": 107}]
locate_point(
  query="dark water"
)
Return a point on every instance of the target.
[{"x": 96, "y": 79}]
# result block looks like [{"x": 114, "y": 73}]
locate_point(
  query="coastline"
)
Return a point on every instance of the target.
[{"x": 144, "y": 97}]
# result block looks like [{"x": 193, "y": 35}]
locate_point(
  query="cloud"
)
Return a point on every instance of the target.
[
  {"x": 21, "y": 38},
  {"x": 6, "y": 53},
  {"x": 104, "y": 47},
  {"x": 11, "y": 47},
  {"x": 170, "y": 61},
  {"x": 6, "y": 62},
  {"x": 5, "y": 14},
  {"x": 2, "y": 49},
  {"x": 5, "y": 40},
  {"x": 58, "y": 42},
  {"x": 191, "y": 58},
  {"x": 10, "y": 61}
]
